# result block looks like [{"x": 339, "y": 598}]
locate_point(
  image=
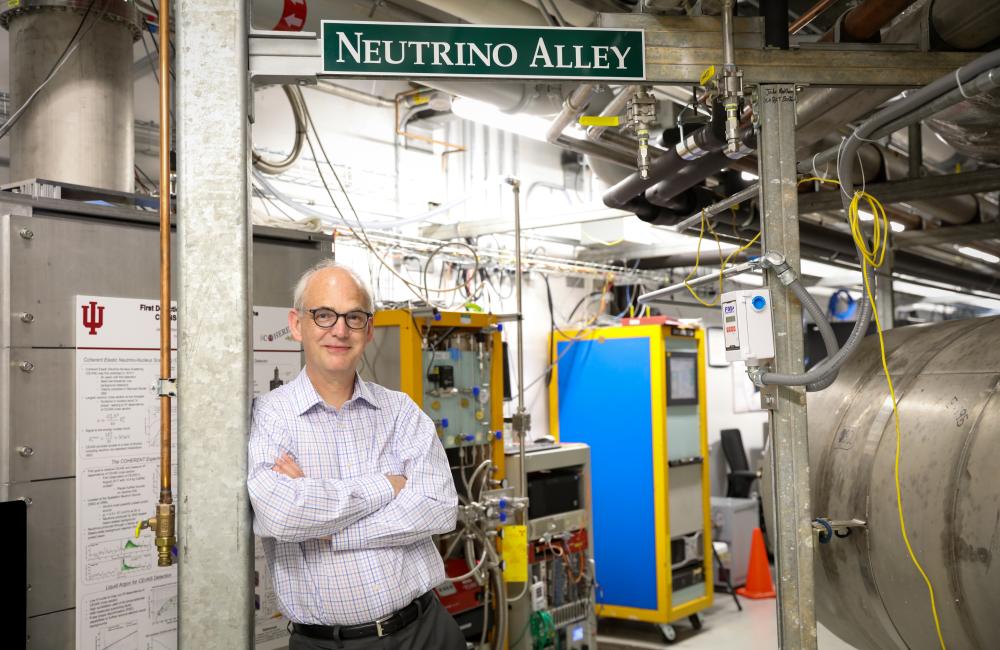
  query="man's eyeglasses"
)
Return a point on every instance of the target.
[{"x": 327, "y": 318}]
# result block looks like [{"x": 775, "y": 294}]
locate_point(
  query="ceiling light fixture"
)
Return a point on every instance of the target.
[{"x": 978, "y": 254}]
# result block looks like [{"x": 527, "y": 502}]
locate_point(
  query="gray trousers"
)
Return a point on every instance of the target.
[{"x": 434, "y": 629}]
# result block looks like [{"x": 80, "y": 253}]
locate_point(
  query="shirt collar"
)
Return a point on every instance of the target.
[{"x": 306, "y": 397}]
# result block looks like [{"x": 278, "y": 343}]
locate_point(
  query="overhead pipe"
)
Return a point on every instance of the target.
[
  {"x": 575, "y": 104},
  {"x": 957, "y": 24},
  {"x": 817, "y": 108},
  {"x": 863, "y": 23},
  {"x": 678, "y": 169},
  {"x": 708, "y": 139},
  {"x": 821, "y": 243},
  {"x": 810, "y": 15},
  {"x": 626, "y": 193},
  {"x": 615, "y": 107}
]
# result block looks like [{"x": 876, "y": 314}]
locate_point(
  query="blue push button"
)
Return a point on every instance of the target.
[{"x": 758, "y": 303}]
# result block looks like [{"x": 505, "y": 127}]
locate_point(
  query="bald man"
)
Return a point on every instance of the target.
[{"x": 348, "y": 483}]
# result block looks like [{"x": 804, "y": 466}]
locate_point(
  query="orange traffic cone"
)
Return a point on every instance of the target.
[{"x": 759, "y": 583}]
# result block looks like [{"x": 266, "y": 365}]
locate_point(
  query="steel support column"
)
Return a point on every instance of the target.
[
  {"x": 214, "y": 537},
  {"x": 792, "y": 538}
]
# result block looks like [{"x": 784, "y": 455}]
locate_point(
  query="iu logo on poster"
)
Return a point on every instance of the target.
[{"x": 93, "y": 317}]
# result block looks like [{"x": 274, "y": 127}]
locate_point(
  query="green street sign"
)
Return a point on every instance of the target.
[{"x": 432, "y": 50}]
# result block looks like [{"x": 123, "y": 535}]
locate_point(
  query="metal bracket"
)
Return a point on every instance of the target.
[
  {"x": 768, "y": 397},
  {"x": 166, "y": 387},
  {"x": 840, "y": 528},
  {"x": 521, "y": 422}
]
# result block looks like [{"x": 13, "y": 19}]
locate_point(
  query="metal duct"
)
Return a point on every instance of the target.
[
  {"x": 875, "y": 163},
  {"x": 972, "y": 126},
  {"x": 79, "y": 129},
  {"x": 960, "y": 24},
  {"x": 531, "y": 98},
  {"x": 965, "y": 25},
  {"x": 867, "y": 590},
  {"x": 863, "y": 23}
]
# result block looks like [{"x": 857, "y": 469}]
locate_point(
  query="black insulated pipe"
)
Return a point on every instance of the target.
[
  {"x": 665, "y": 192},
  {"x": 706, "y": 140},
  {"x": 775, "y": 13}
]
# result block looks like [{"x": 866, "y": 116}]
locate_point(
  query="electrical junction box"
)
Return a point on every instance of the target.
[{"x": 746, "y": 325}]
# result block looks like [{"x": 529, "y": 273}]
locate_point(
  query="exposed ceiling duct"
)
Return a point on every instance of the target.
[
  {"x": 824, "y": 110},
  {"x": 969, "y": 127}
]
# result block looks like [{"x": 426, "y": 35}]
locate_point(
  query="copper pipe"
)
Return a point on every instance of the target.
[
  {"x": 165, "y": 312},
  {"x": 810, "y": 15},
  {"x": 864, "y": 21}
]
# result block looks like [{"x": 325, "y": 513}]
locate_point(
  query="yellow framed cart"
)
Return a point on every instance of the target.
[
  {"x": 635, "y": 394},
  {"x": 451, "y": 365}
]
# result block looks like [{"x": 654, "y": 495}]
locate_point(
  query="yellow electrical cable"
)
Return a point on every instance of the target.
[
  {"x": 875, "y": 256},
  {"x": 614, "y": 242},
  {"x": 723, "y": 262},
  {"x": 697, "y": 262}
]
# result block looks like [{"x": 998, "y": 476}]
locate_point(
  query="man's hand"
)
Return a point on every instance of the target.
[
  {"x": 286, "y": 465},
  {"x": 398, "y": 482}
]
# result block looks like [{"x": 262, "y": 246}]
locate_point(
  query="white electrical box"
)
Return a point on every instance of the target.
[{"x": 746, "y": 325}]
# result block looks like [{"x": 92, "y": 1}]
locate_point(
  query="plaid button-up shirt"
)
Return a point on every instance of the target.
[{"x": 377, "y": 555}]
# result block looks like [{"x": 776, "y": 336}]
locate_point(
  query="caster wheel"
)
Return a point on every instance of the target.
[
  {"x": 695, "y": 621},
  {"x": 669, "y": 633}
]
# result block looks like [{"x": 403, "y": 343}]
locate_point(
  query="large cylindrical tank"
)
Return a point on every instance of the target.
[
  {"x": 79, "y": 129},
  {"x": 947, "y": 380}
]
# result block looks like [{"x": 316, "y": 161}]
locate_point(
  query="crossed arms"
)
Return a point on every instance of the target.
[{"x": 373, "y": 511}]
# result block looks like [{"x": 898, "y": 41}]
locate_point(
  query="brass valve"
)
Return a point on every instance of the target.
[{"x": 162, "y": 526}]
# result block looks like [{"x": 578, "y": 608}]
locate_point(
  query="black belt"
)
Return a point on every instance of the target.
[{"x": 382, "y": 627}]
